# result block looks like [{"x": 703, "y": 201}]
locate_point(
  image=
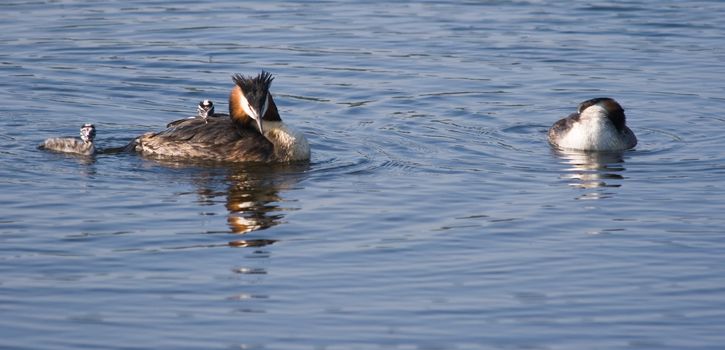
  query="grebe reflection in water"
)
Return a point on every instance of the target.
[
  {"x": 598, "y": 171},
  {"x": 252, "y": 194}
]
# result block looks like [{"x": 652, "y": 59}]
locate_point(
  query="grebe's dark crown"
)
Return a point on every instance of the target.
[
  {"x": 206, "y": 104},
  {"x": 596, "y": 101},
  {"x": 255, "y": 89}
]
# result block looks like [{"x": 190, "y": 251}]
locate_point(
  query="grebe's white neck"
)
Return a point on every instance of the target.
[
  {"x": 594, "y": 112},
  {"x": 289, "y": 144}
]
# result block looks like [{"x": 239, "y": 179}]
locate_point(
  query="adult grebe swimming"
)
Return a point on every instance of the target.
[
  {"x": 598, "y": 125},
  {"x": 83, "y": 146},
  {"x": 254, "y": 131}
]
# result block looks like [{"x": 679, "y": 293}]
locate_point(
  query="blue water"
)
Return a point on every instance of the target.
[{"x": 433, "y": 214}]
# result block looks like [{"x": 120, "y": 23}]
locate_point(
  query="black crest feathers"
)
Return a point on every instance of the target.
[{"x": 251, "y": 85}]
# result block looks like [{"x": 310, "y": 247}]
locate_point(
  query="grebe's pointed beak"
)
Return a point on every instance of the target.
[
  {"x": 252, "y": 113},
  {"x": 259, "y": 125},
  {"x": 256, "y": 111}
]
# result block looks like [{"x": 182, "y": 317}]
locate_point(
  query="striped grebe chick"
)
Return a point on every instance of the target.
[
  {"x": 204, "y": 110},
  {"x": 253, "y": 131},
  {"x": 83, "y": 146},
  {"x": 598, "y": 125}
]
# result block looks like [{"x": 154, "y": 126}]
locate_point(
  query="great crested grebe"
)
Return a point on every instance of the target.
[
  {"x": 204, "y": 110},
  {"x": 83, "y": 146},
  {"x": 254, "y": 131},
  {"x": 598, "y": 125}
]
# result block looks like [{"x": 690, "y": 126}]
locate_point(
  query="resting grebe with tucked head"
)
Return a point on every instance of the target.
[
  {"x": 254, "y": 131},
  {"x": 598, "y": 125},
  {"x": 83, "y": 146}
]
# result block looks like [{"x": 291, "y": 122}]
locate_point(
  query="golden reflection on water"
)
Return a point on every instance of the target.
[
  {"x": 251, "y": 193},
  {"x": 253, "y": 198},
  {"x": 592, "y": 170},
  {"x": 252, "y": 203}
]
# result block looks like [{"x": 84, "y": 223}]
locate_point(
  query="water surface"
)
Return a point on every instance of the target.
[{"x": 433, "y": 214}]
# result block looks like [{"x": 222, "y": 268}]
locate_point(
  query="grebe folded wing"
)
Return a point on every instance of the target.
[
  {"x": 561, "y": 127},
  {"x": 216, "y": 140}
]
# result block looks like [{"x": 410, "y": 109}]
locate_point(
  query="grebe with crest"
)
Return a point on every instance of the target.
[
  {"x": 598, "y": 125},
  {"x": 254, "y": 131},
  {"x": 84, "y": 146}
]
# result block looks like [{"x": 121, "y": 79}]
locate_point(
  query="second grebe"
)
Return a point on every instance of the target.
[
  {"x": 598, "y": 125},
  {"x": 83, "y": 146},
  {"x": 254, "y": 131}
]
